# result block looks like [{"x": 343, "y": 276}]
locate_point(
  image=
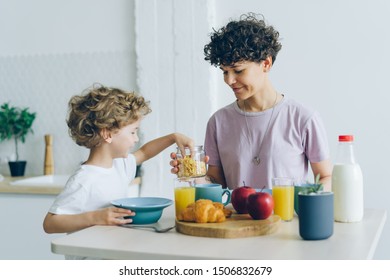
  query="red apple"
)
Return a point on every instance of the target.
[
  {"x": 239, "y": 197},
  {"x": 260, "y": 205}
]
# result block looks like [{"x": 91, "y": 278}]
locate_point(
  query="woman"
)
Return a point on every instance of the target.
[{"x": 263, "y": 134}]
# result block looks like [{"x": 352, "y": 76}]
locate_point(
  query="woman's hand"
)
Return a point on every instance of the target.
[
  {"x": 182, "y": 142},
  {"x": 174, "y": 163}
]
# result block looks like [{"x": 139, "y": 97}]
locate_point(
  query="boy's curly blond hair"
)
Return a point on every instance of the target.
[{"x": 103, "y": 108}]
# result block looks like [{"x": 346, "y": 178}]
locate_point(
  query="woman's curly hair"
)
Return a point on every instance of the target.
[
  {"x": 103, "y": 108},
  {"x": 248, "y": 39}
]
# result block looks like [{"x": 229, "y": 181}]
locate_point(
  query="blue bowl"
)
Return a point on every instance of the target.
[{"x": 147, "y": 210}]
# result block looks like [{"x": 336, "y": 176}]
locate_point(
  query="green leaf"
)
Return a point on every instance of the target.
[
  {"x": 314, "y": 188},
  {"x": 318, "y": 179},
  {"x": 15, "y": 123}
]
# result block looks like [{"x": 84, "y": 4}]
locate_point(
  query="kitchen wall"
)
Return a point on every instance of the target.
[
  {"x": 333, "y": 58},
  {"x": 52, "y": 50}
]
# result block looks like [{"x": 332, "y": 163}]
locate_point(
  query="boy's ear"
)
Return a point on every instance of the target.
[{"x": 106, "y": 135}]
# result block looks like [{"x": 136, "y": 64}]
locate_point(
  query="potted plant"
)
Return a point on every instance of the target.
[
  {"x": 15, "y": 123},
  {"x": 315, "y": 212}
]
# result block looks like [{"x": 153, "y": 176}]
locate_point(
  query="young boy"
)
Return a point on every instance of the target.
[{"x": 106, "y": 121}]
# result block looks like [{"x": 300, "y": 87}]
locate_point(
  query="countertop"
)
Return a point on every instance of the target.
[
  {"x": 52, "y": 189},
  {"x": 349, "y": 241},
  {"x": 6, "y": 187}
]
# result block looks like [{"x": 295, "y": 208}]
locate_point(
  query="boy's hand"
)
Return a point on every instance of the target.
[
  {"x": 113, "y": 216},
  {"x": 183, "y": 142}
]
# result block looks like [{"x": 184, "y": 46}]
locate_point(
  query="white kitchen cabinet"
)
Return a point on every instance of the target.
[
  {"x": 22, "y": 210},
  {"x": 21, "y": 232}
]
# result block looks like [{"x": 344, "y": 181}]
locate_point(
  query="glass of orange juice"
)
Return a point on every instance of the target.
[
  {"x": 184, "y": 193},
  {"x": 283, "y": 195}
]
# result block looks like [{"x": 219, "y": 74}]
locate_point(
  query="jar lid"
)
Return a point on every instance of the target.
[
  {"x": 198, "y": 148},
  {"x": 345, "y": 138}
]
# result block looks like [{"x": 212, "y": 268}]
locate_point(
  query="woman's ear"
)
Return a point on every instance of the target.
[
  {"x": 267, "y": 64},
  {"x": 106, "y": 135}
]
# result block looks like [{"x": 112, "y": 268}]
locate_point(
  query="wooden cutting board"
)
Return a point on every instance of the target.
[{"x": 236, "y": 226}]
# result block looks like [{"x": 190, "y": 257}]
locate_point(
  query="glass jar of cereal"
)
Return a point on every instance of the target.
[{"x": 192, "y": 164}]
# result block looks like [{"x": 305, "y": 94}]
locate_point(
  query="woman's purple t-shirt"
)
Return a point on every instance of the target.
[{"x": 296, "y": 136}]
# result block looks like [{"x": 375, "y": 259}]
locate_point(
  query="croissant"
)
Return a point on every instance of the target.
[
  {"x": 204, "y": 211},
  {"x": 226, "y": 212}
]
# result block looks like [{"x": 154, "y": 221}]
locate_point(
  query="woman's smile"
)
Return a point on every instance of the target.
[{"x": 238, "y": 89}]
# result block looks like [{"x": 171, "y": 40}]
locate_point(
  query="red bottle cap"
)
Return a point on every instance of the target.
[{"x": 345, "y": 138}]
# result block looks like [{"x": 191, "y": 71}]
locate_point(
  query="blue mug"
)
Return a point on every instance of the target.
[
  {"x": 298, "y": 188},
  {"x": 214, "y": 192},
  {"x": 316, "y": 216}
]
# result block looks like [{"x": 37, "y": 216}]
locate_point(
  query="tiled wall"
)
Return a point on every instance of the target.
[{"x": 44, "y": 83}]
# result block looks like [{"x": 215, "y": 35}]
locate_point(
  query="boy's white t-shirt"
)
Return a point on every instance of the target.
[{"x": 92, "y": 187}]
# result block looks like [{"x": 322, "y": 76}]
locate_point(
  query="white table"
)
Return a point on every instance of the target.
[{"x": 349, "y": 241}]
